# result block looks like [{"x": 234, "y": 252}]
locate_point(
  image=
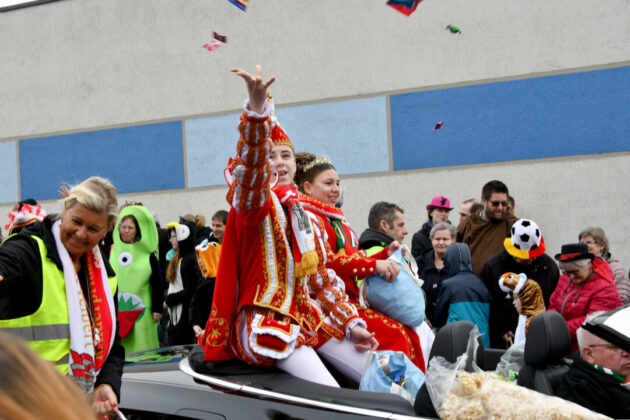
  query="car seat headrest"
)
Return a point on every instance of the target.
[
  {"x": 548, "y": 339},
  {"x": 451, "y": 342}
]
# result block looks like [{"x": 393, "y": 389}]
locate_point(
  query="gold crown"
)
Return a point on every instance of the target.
[{"x": 320, "y": 160}]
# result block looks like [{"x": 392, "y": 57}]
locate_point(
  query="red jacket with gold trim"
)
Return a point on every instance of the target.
[{"x": 256, "y": 266}]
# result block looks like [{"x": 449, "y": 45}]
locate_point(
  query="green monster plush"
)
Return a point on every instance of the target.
[{"x": 133, "y": 270}]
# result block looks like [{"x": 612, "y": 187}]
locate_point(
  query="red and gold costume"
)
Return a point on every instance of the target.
[
  {"x": 272, "y": 293},
  {"x": 351, "y": 264}
]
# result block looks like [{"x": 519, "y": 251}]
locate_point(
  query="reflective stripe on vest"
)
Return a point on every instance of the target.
[{"x": 47, "y": 330}]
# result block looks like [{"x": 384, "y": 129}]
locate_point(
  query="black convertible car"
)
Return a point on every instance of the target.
[
  {"x": 175, "y": 382},
  {"x": 162, "y": 384}
]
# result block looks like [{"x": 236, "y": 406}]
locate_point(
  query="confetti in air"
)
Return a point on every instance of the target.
[
  {"x": 454, "y": 29},
  {"x": 241, "y": 4},
  {"x": 216, "y": 43},
  {"x": 406, "y": 7}
]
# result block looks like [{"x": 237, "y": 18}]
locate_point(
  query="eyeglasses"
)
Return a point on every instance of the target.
[
  {"x": 570, "y": 272},
  {"x": 609, "y": 346},
  {"x": 589, "y": 242},
  {"x": 497, "y": 203}
]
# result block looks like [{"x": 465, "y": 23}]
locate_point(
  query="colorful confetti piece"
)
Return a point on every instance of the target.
[
  {"x": 438, "y": 125},
  {"x": 212, "y": 45},
  {"x": 454, "y": 29},
  {"x": 219, "y": 37},
  {"x": 241, "y": 4},
  {"x": 406, "y": 7}
]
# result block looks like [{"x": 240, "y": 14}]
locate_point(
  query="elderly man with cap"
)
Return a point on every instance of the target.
[
  {"x": 599, "y": 378},
  {"x": 438, "y": 210},
  {"x": 586, "y": 286},
  {"x": 524, "y": 252}
]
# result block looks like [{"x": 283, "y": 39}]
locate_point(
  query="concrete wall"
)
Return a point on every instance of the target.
[{"x": 532, "y": 93}]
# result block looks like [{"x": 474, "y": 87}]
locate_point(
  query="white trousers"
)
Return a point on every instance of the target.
[
  {"x": 426, "y": 337},
  {"x": 304, "y": 362}
]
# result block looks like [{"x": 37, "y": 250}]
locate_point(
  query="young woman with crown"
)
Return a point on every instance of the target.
[{"x": 318, "y": 180}]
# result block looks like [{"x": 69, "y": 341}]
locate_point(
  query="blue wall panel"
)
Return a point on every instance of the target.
[
  {"x": 8, "y": 173},
  {"x": 140, "y": 158},
  {"x": 210, "y": 142},
  {"x": 352, "y": 133},
  {"x": 572, "y": 114}
]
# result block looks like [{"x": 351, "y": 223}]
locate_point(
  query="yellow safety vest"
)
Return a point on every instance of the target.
[{"x": 47, "y": 330}]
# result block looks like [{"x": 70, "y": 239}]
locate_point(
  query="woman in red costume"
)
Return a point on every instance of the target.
[
  {"x": 317, "y": 178},
  {"x": 274, "y": 302}
]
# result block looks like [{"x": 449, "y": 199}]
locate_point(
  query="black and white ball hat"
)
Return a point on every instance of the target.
[{"x": 612, "y": 326}]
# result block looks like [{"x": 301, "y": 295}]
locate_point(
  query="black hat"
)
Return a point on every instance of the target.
[{"x": 572, "y": 252}]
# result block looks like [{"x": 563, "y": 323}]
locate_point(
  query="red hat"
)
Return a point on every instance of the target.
[
  {"x": 278, "y": 136},
  {"x": 440, "y": 202}
]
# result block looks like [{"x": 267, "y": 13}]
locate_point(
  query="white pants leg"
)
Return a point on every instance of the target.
[
  {"x": 304, "y": 363},
  {"x": 426, "y": 337},
  {"x": 345, "y": 358}
]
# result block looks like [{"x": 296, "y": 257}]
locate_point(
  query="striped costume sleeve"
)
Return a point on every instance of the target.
[{"x": 251, "y": 168}]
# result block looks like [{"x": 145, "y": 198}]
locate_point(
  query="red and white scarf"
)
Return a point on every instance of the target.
[
  {"x": 303, "y": 238},
  {"x": 91, "y": 336}
]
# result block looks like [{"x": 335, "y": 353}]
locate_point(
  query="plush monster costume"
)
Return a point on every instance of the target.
[{"x": 133, "y": 270}]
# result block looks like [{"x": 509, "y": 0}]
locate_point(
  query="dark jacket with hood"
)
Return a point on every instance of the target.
[
  {"x": 421, "y": 242},
  {"x": 21, "y": 290},
  {"x": 463, "y": 296},
  {"x": 595, "y": 390},
  {"x": 371, "y": 238}
]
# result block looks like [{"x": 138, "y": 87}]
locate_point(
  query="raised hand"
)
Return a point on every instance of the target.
[{"x": 256, "y": 87}]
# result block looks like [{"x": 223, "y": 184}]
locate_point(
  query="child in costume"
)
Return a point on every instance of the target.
[
  {"x": 140, "y": 284},
  {"x": 272, "y": 293},
  {"x": 528, "y": 300}
]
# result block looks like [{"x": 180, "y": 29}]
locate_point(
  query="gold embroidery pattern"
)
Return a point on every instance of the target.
[
  {"x": 217, "y": 333},
  {"x": 372, "y": 314}
]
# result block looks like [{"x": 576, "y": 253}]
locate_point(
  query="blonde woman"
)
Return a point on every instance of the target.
[{"x": 60, "y": 294}]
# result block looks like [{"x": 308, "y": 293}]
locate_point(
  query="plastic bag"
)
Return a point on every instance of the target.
[
  {"x": 460, "y": 393},
  {"x": 511, "y": 362},
  {"x": 392, "y": 372},
  {"x": 402, "y": 299}
]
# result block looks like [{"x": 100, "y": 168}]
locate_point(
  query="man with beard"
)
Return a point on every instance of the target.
[
  {"x": 485, "y": 231},
  {"x": 386, "y": 224}
]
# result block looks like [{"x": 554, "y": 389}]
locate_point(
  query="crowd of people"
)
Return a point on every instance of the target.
[{"x": 277, "y": 280}]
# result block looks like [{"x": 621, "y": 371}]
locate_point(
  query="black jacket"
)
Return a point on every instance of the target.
[
  {"x": 21, "y": 290},
  {"x": 372, "y": 237},
  {"x": 432, "y": 278},
  {"x": 503, "y": 317},
  {"x": 421, "y": 242},
  {"x": 595, "y": 390}
]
